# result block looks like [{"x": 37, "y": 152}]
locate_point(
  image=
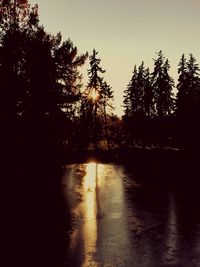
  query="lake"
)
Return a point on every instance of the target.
[{"x": 119, "y": 219}]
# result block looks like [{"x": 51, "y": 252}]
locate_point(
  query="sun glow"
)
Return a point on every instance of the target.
[{"x": 94, "y": 95}]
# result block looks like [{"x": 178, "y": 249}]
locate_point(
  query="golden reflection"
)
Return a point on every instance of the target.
[
  {"x": 90, "y": 184},
  {"x": 99, "y": 211},
  {"x": 90, "y": 177}
]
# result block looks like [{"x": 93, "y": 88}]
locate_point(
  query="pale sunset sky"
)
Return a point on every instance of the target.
[{"x": 125, "y": 33}]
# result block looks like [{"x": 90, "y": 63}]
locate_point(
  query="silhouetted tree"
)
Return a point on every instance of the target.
[
  {"x": 17, "y": 21},
  {"x": 182, "y": 86},
  {"x": 115, "y": 131},
  {"x": 188, "y": 101},
  {"x": 68, "y": 81},
  {"x": 162, "y": 85},
  {"x": 193, "y": 95},
  {"x": 133, "y": 105},
  {"x": 39, "y": 74},
  {"x": 138, "y": 102},
  {"x": 96, "y": 98},
  {"x": 139, "y": 97},
  {"x": 68, "y": 77},
  {"x": 130, "y": 95},
  {"x": 105, "y": 102},
  {"x": 149, "y": 99}
]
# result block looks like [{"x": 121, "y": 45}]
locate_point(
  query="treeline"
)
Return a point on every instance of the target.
[
  {"x": 154, "y": 115},
  {"x": 43, "y": 100},
  {"x": 38, "y": 75}
]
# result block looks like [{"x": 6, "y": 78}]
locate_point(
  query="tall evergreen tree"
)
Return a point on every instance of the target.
[
  {"x": 149, "y": 108},
  {"x": 17, "y": 21},
  {"x": 130, "y": 95},
  {"x": 194, "y": 82},
  {"x": 162, "y": 85},
  {"x": 69, "y": 80},
  {"x": 97, "y": 96},
  {"x": 188, "y": 95},
  {"x": 139, "y": 97},
  {"x": 137, "y": 102},
  {"x": 39, "y": 77},
  {"x": 95, "y": 80},
  {"x": 182, "y": 86},
  {"x": 188, "y": 101},
  {"x": 141, "y": 83},
  {"x": 107, "y": 96}
]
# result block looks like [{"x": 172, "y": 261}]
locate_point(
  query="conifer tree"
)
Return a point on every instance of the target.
[
  {"x": 188, "y": 101},
  {"x": 188, "y": 95},
  {"x": 182, "y": 86},
  {"x": 107, "y": 97},
  {"x": 162, "y": 85},
  {"x": 97, "y": 96},
  {"x": 39, "y": 77},
  {"x": 149, "y": 108},
  {"x": 130, "y": 95}
]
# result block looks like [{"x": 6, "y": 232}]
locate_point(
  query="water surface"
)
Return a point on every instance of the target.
[{"x": 118, "y": 220}]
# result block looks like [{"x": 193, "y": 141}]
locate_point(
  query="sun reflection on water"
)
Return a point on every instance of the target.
[
  {"x": 99, "y": 213},
  {"x": 90, "y": 184},
  {"x": 90, "y": 190}
]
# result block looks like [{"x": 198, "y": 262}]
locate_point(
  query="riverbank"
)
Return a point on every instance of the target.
[
  {"x": 35, "y": 215},
  {"x": 120, "y": 154},
  {"x": 162, "y": 166}
]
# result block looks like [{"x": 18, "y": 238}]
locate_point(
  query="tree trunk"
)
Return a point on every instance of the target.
[
  {"x": 95, "y": 126},
  {"x": 106, "y": 127}
]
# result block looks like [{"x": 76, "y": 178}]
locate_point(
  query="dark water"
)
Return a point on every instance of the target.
[{"x": 119, "y": 219}]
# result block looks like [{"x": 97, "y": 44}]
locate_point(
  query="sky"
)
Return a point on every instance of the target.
[{"x": 125, "y": 33}]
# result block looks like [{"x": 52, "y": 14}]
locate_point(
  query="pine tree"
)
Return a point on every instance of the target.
[
  {"x": 188, "y": 101},
  {"x": 194, "y": 81},
  {"x": 39, "y": 77},
  {"x": 188, "y": 95},
  {"x": 69, "y": 80},
  {"x": 16, "y": 23},
  {"x": 149, "y": 108},
  {"x": 162, "y": 85},
  {"x": 107, "y": 96},
  {"x": 138, "y": 96},
  {"x": 130, "y": 95},
  {"x": 135, "y": 99},
  {"x": 97, "y": 95},
  {"x": 141, "y": 82},
  {"x": 182, "y": 87},
  {"x": 95, "y": 80}
]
